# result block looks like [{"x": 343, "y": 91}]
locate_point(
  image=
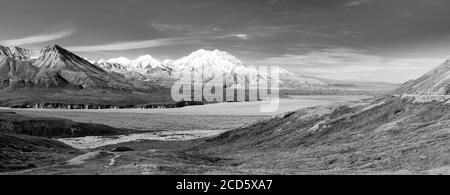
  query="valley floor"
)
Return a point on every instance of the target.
[{"x": 221, "y": 116}]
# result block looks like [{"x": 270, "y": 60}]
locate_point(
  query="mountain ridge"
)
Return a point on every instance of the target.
[
  {"x": 50, "y": 64},
  {"x": 212, "y": 61}
]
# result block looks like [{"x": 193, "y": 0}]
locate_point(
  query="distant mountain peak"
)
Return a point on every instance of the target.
[
  {"x": 216, "y": 52},
  {"x": 146, "y": 62},
  {"x": 142, "y": 62},
  {"x": 203, "y": 57},
  {"x": 120, "y": 60}
]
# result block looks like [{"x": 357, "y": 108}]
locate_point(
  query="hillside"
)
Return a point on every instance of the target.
[
  {"x": 25, "y": 141},
  {"x": 20, "y": 152},
  {"x": 385, "y": 136},
  {"x": 389, "y": 135},
  {"x": 435, "y": 82}
]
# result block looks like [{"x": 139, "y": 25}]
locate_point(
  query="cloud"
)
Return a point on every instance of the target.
[
  {"x": 353, "y": 3},
  {"x": 242, "y": 36},
  {"x": 346, "y": 63},
  {"x": 59, "y": 32},
  {"x": 122, "y": 46},
  {"x": 236, "y": 36},
  {"x": 295, "y": 31},
  {"x": 186, "y": 30},
  {"x": 170, "y": 27}
]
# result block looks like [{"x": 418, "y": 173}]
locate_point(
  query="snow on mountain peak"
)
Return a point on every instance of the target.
[
  {"x": 120, "y": 60},
  {"x": 212, "y": 55},
  {"x": 145, "y": 62},
  {"x": 142, "y": 62},
  {"x": 209, "y": 60}
]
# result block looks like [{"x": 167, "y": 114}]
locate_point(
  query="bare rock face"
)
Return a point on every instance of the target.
[{"x": 435, "y": 82}]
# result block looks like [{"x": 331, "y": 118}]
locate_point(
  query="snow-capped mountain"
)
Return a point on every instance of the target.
[
  {"x": 142, "y": 68},
  {"x": 120, "y": 60},
  {"x": 210, "y": 63},
  {"x": 142, "y": 62},
  {"x": 207, "y": 62},
  {"x": 147, "y": 62},
  {"x": 56, "y": 67}
]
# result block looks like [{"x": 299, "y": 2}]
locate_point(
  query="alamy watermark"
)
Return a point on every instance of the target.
[{"x": 253, "y": 84}]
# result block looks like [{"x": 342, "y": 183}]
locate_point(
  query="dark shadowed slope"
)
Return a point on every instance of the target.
[{"x": 51, "y": 127}]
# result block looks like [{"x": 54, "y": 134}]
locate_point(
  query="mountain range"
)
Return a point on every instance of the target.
[
  {"x": 54, "y": 74},
  {"x": 209, "y": 62}
]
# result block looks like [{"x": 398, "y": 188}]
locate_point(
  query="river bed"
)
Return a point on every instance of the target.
[{"x": 91, "y": 142}]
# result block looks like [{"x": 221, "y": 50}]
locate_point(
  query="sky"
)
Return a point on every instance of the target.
[{"x": 368, "y": 40}]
